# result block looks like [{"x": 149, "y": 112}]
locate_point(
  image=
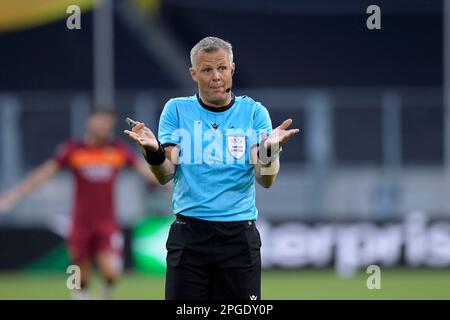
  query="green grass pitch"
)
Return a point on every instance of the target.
[{"x": 276, "y": 284}]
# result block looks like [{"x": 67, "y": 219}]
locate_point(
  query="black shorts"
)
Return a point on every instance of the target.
[{"x": 213, "y": 260}]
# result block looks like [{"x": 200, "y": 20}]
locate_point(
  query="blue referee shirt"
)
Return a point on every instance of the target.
[{"x": 214, "y": 178}]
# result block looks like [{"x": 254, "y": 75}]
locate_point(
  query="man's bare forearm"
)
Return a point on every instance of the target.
[
  {"x": 35, "y": 179},
  {"x": 164, "y": 172},
  {"x": 265, "y": 174}
]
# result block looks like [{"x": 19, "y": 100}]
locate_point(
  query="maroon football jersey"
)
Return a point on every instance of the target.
[{"x": 95, "y": 170}]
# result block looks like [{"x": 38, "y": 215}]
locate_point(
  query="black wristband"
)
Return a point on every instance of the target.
[
  {"x": 265, "y": 156},
  {"x": 155, "y": 158}
]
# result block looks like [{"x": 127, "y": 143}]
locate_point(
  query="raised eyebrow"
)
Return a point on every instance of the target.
[
  {"x": 207, "y": 66},
  {"x": 221, "y": 63}
]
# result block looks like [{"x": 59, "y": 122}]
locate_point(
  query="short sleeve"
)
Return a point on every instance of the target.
[
  {"x": 62, "y": 154},
  {"x": 262, "y": 124},
  {"x": 168, "y": 132}
]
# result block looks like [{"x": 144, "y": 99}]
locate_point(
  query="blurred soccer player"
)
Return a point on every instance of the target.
[
  {"x": 214, "y": 245},
  {"x": 95, "y": 161}
]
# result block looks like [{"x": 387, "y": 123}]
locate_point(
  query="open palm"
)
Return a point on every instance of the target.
[
  {"x": 281, "y": 134},
  {"x": 143, "y": 136}
]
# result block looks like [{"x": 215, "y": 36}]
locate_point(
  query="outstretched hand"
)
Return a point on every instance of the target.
[
  {"x": 281, "y": 134},
  {"x": 143, "y": 136}
]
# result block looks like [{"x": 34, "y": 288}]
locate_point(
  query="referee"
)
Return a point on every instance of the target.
[{"x": 214, "y": 145}]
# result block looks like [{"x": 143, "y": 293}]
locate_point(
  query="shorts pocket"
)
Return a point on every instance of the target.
[
  {"x": 174, "y": 246},
  {"x": 254, "y": 244}
]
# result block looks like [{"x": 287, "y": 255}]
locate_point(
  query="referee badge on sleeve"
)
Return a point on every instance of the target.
[{"x": 236, "y": 146}]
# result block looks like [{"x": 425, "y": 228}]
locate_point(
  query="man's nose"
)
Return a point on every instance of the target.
[{"x": 216, "y": 75}]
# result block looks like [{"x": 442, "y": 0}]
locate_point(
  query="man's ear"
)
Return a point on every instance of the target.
[
  {"x": 193, "y": 73},
  {"x": 233, "y": 66}
]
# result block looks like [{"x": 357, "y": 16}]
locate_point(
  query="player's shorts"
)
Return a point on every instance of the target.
[
  {"x": 213, "y": 260},
  {"x": 86, "y": 242}
]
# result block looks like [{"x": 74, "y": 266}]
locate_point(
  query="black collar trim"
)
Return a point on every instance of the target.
[{"x": 218, "y": 109}]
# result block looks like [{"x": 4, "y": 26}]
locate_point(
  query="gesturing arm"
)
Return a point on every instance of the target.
[
  {"x": 31, "y": 182},
  {"x": 266, "y": 164},
  {"x": 265, "y": 174},
  {"x": 158, "y": 157}
]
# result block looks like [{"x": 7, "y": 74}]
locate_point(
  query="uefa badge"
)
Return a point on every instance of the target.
[{"x": 236, "y": 146}]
